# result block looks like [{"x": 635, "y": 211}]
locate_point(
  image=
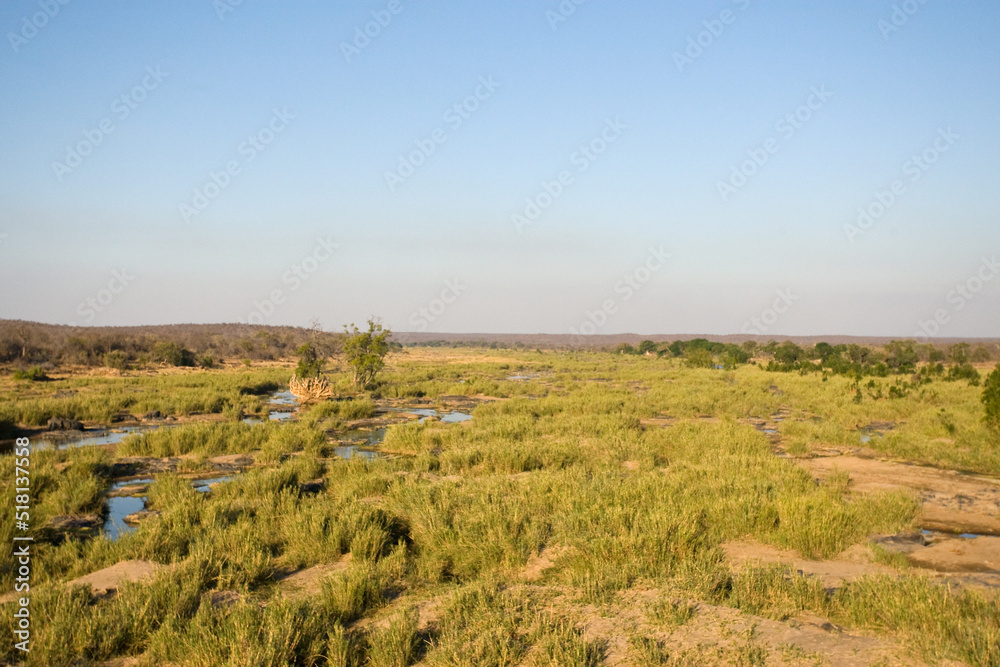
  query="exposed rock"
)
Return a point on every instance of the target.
[
  {"x": 153, "y": 414},
  {"x": 107, "y": 581},
  {"x": 136, "y": 517},
  {"x": 314, "y": 486},
  {"x": 980, "y": 554},
  {"x": 123, "y": 417},
  {"x": 128, "y": 490},
  {"x": 903, "y": 543},
  {"x": 231, "y": 462},
  {"x": 224, "y": 598},
  {"x": 63, "y": 424},
  {"x": 72, "y": 523}
]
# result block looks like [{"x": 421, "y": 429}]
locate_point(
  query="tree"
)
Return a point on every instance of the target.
[
  {"x": 981, "y": 354},
  {"x": 822, "y": 351},
  {"x": 309, "y": 362},
  {"x": 646, "y": 347},
  {"x": 365, "y": 351},
  {"x": 959, "y": 353},
  {"x": 698, "y": 357},
  {"x": 788, "y": 353},
  {"x": 902, "y": 356},
  {"x": 173, "y": 354},
  {"x": 991, "y": 399}
]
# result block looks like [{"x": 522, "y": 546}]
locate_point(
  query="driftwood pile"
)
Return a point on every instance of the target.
[{"x": 308, "y": 390}]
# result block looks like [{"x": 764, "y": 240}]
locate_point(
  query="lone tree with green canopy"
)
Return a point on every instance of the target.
[{"x": 365, "y": 350}]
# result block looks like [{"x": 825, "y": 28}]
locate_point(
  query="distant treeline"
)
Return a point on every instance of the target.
[
  {"x": 31, "y": 344},
  {"x": 25, "y": 344},
  {"x": 898, "y": 357}
]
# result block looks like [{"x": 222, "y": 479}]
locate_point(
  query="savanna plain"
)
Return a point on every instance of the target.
[{"x": 477, "y": 506}]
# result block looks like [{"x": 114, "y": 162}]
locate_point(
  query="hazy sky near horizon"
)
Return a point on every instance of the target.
[{"x": 526, "y": 166}]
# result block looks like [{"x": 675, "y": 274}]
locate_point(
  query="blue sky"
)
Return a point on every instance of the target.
[{"x": 244, "y": 176}]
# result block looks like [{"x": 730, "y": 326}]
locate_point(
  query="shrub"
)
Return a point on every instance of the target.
[
  {"x": 310, "y": 364},
  {"x": 365, "y": 351},
  {"x": 116, "y": 359},
  {"x": 35, "y": 374},
  {"x": 173, "y": 354},
  {"x": 965, "y": 371},
  {"x": 991, "y": 399},
  {"x": 697, "y": 357}
]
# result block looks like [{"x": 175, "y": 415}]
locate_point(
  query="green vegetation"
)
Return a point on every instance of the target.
[
  {"x": 33, "y": 374},
  {"x": 173, "y": 354},
  {"x": 116, "y": 359},
  {"x": 98, "y": 399},
  {"x": 991, "y": 399},
  {"x": 310, "y": 364},
  {"x": 365, "y": 351},
  {"x": 627, "y": 472}
]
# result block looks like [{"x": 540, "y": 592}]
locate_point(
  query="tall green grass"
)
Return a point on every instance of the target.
[{"x": 567, "y": 461}]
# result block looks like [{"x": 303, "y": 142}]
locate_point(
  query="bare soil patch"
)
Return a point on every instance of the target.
[
  {"x": 107, "y": 581},
  {"x": 850, "y": 565},
  {"x": 308, "y": 582},
  {"x": 950, "y": 501}
]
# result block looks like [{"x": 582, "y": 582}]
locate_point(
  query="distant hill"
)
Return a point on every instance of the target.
[
  {"x": 611, "y": 340},
  {"x": 256, "y": 340}
]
